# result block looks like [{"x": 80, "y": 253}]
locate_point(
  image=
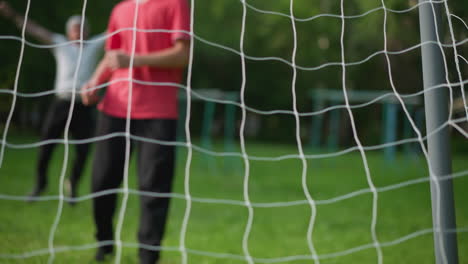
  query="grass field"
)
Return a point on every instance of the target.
[{"x": 218, "y": 228}]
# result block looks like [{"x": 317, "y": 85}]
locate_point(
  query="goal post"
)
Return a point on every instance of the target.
[{"x": 437, "y": 114}]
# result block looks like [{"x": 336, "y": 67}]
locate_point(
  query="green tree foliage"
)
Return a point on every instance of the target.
[{"x": 268, "y": 35}]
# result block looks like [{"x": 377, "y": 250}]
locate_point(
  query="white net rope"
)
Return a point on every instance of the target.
[{"x": 247, "y": 203}]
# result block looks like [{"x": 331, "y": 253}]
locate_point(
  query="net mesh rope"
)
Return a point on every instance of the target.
[{"x": 376, "y": 244}]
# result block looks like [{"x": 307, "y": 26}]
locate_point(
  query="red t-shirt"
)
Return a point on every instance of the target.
[{"x": 148, "y": 100}]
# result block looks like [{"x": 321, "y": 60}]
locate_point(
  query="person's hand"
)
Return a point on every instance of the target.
[
  {"x": 88, "y": 96},
  {"x": 6, "y": 10},
  {"x": 117, "y": 59}
]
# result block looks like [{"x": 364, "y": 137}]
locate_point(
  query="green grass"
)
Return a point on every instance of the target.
[{"x": 218, "y": 228}]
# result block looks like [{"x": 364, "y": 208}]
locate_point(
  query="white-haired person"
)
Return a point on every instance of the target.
[{"x": 66, "y": 50}]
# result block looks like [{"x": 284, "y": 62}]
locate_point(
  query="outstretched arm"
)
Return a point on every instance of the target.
[
  {"x": 32, "y": 28},
  {"x": 99, "y": 38},
  {"x": 176, "y": 56}
]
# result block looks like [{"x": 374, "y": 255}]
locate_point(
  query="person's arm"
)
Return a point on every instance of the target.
[
  {"x": 176, "y": 56},
  {"x": 32, "y": 28},
  {"x": 101, "y": 75},
  {"x": 99, "y": 39}
]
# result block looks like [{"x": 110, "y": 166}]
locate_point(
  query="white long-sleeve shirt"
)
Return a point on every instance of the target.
[{"x": 66, "y": 56}]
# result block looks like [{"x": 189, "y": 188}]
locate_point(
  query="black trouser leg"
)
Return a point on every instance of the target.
[
  {"x": 52, "y": 129},
  {"x": 45, "y": 154},
  {"x": 82, "y": 128},
  {"x": 108, "y": 168},
  {"x": 79, "y": 164},
  {"x": 155, "y": 174}
]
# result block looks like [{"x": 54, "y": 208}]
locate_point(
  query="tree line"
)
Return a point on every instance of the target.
[{"x": 268, "y": 46}]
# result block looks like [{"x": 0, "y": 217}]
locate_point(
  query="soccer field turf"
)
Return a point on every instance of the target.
[{"x": 341, "y": 234}]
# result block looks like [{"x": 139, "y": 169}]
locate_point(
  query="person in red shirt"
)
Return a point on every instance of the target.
[{"x": 162, "y": 50}]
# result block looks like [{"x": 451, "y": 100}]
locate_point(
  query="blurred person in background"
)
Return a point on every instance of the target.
[{"x": 66, "y": 51}]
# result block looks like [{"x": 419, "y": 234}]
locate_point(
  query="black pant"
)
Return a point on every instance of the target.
[
  {"x": 155, "y": 174},
  {"x": 81, "y": 127}
]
